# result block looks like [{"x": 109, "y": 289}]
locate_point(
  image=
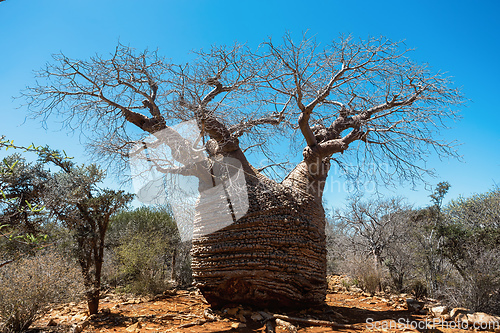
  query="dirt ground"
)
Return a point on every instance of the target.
[{"x": 346, "y": 310}]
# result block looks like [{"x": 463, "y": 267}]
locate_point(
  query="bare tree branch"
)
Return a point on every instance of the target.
[{"x": 365, "y": 92}]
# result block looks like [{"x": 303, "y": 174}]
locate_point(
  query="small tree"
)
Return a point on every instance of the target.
[
  {"x": 401, "y": 255},
  {"x": 73, "y": 197},
  {"x": 22, "y": 184},
  {"x": 427, "y": 222}
]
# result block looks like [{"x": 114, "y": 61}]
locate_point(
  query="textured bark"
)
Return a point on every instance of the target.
[{"x": 275, "y": 255}]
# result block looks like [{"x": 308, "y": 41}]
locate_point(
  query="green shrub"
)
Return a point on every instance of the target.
[
  {"x": 144, "y": 263},
  {"x": 29, "y": 285},
  {"x": 143, "y": 249}
]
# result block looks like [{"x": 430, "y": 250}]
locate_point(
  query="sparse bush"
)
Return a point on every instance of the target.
[
  {"x": 418, "y": 289},
  {"x": 337, "y": 243},
  {"x": 446, "y": 252},
  {"x": 370, "y": 279},
  {"x": 480, "y": 290},
  {"x": 143, "y": 250},
  {"x": 28, "y": 286},
  {"x": 471, "y": 235},
  {"x": 363, "y": 273},
  {"x": 347, "y": 283}
]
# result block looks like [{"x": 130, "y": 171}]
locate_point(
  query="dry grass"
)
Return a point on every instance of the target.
[{"x": 29, "y": 285}]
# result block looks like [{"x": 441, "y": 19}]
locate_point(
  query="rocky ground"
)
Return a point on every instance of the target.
[{"x": 346, "y": 310}]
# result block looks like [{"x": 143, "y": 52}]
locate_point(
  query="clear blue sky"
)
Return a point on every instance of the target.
[{"x": 458, "y": 37}]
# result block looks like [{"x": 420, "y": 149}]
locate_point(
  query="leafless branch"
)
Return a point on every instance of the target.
[
  {"x": 269, "y": 166},
  {"x": 364, "y": 98}
]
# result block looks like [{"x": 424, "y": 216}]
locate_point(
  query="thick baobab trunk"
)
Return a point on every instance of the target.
[{"x": 275, "y": 255}]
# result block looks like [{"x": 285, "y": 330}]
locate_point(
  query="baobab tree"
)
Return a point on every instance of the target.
[{"x": 363, "y": 101}]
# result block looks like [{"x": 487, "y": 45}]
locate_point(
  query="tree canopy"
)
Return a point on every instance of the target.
[{"x": 364, "y": 94}]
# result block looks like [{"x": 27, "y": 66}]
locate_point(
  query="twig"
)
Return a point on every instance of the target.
[
  {"x": 270, "y": 165},
  {"x": 6, "y": 263}
]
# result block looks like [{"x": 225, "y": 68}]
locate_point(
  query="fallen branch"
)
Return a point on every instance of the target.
[
  {"x": 291, "y": 328},
  {"x": 272, "y": 320},
  {"x": 269, "y": 322},
  {"x": 193, "y": 323},
  {"x": 209, "y": 317},
  {"x": 186, "y": 325},
  {"x": 270, "y": 326},
  {"x": 311, "y": 322}
]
